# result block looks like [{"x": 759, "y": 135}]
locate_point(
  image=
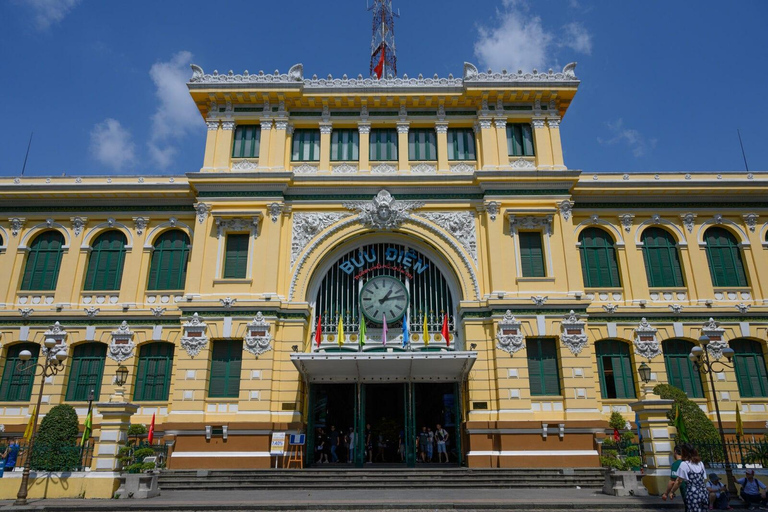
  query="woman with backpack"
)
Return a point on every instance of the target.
[{"x": 693, "y": 473}]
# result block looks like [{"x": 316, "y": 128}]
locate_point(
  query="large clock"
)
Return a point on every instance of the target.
[{"x": 384, "y": 295}]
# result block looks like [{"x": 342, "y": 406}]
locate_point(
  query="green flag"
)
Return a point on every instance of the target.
[
  {"x": 88, "y": 428},
  {"x": 682, "y": 435},
  {"x": 362, "y": 330}
]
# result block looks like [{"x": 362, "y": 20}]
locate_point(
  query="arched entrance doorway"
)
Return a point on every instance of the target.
[{"x": 387, "y": 362}]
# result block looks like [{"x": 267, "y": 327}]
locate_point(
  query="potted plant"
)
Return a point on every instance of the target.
[
  {"x": 622, "y": 461},
  {"x": 138, "y": 478}
]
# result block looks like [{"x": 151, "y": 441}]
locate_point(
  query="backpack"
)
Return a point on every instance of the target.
[{"x": 440, "y": 435}]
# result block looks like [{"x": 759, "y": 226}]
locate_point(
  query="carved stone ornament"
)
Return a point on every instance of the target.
[
  {"x": 91, "y": 311},
  {"x": 573, "y": 335},
  {"x": 750, "y": 219},
  {"x": 383, "y": 169},
  {"x": 626, "y": 221},
  {"x": 17, "y": 224},
  {"x": 743, "y": 308},
  {"x": 688, "y": 220},
  {"x": 158, "y": 311},
  {"x": 237, "y": 224},
  {"x": 610, "y": 308},
  {"x": 140, "y": 224},
  {"x": 258, "y": 338},
  {"x": 544, "y": 223},
  {"x": 424, "y": 168},
  {"x": 202, "y": 210},
  {"x": 26, "y": 312},
  {"x": 539, "y": 300},
  {"x": 58, "y": 333},
  {"x": 441, "y": 128},
  {"x": 461, "y": 225},
  {"x": 275, "y": 209},
  {"x": 646, "y": 344},
  {"x": 306, "y": 226},
  {"x": 566, "y": 208},
  {"x": 510, "y": 335},
  {"x": 194, "y": 338},
  {"x": 383, "y": 211},
  {"x": 305, "y": 169},
  {"x": 492, "y": 207},
  {"x": 245, "y": 165},
  {"x": 228, "y": 302},
  {"x": 122, "y": 345},
  {"x": 715, "y": 333},
  {"x": 676, "y": 308},
  {"x": 462, "y": 168},
  {"x": 78, "y": 224},
  {"x": 344, "y": 169},
  {"x": 523, "y": 164}
]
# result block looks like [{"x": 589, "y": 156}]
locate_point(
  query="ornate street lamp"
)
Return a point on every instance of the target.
[
  {"x": 53, "y": 364},
  {"x": 645, "y": 375},
  {"x": 700, "y": 358}
]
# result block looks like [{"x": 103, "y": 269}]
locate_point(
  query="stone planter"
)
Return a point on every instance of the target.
[
  {"x": 138, "y": 486},
  {"x": 624, "y": 483}
]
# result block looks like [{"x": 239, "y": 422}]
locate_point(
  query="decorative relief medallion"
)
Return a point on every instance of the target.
[
  {"x": 750, "y": 219},
  {"x": 91, "y": 311},
  {"x": 78, "y": 224},
  {"x": 539, "y": 300},
  {"x": 462, "y": 168},
  {"x": 228, "y": 302},
  {"x": 510, "y": 335},
  {"x": 274, "y": 209},
  {"x": 566, "y": 208},
  {"x": 626, "y": 221},
  {"x": 140, "y": 224},
  {"x": 245, "y": 165},
  {"x": 676, "y": 308},
  {"x": 423, "y": 168},
  {"x": 573, "y": 335},
  {"x": 523, "y": 164},
  {"x": 715, "y": 333},
  {"x": 492, "y": 207},
  {"x": 202, "y": 210},
  {"x": 610, "y": 308},
  {"x": 461, "y": 225},
  {"x": 224, "y": 225},
  {"x": 306, "y": 226},
  {"x": 158, "y": 311},
  {"x": 646, "y": 344},
  {"x": 305, "y": 169},
  {"x": 344, "y": 169},
  {"x": 743, "y": 308},
  {"x": 194, "y": 338},
  {"x": 122, "y": 345},
  {"x": 258, "y": 338},
  {"x": 543, "y": 223},
  {"x": 383, "y": 169},
  {"x": 58, "y": 333},
  {"x": 688, "y": 221},
  {"x": 383, "y": 211},
  {"x": 26, "y": 312}
]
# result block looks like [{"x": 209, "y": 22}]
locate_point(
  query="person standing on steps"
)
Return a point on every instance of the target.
[
  {"x": 678, "y": 452},
  {"x": 351, "y": 437},
  {"x": 441, "y": 436},
  {"x": 692, "y": 472},
  {"x": 333, "y": 437},
  {"x": 369, "y": 442},
  {"x": 423, "y": 439},
  {"x": 430, "y": 444}
]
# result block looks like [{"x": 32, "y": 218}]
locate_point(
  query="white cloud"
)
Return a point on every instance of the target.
[
  {"x": 50, "y": 12},
  {"x": 632, "y": 138},
  {"x": 176, "y": 114},
  {"x": 519, "y": 40},
  {"x": 111, "y": 144}
]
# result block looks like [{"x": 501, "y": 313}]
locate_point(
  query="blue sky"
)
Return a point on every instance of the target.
[{"x": 664, "y": 87}]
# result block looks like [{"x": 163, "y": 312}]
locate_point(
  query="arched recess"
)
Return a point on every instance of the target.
[
  {"x": 676, "y": 232},
  {"x": 661, "y": 254},
  {"x": 419, "y": 233},
  {"x": 106, "y": 226},
  {"x": 764, "y": 235},
  {"x": 729, "y": 225},
  {"x": 750, "y": 366},
  {"x": 615, "y": 369},
  {"x": 681, "y": 372},
  {"x": 595, "y": 221},
  {"x": 163, "y": 227},
  {"x": 36, "y": 229},
  {"x": 16, "y": 386},
  {"x": 86, "y": 371},
  {"x": 3, "y": 239},
  {"x": 153, "y": 371}
]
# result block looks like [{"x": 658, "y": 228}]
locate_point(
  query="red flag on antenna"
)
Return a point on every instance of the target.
[
  {"x": 319, "y": 331},
  {"x": 379, "y": 69}
]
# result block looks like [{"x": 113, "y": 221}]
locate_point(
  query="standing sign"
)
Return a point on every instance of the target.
[
  {"x": 277, "y": 447},
  {"x": 298, "y": 439}
]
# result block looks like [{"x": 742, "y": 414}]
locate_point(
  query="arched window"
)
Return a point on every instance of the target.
[
  {"x": 43, "y": 262},
  {"x": 724, "y": 258},
  {"x": 16, "y": 386},
  {"x": 662, "y": 259},
  {"x": 153, "y": 375},
  {"x": 598, "y": 259},
  {"x": 750, "y": 368},
  {"x": 680, "y": 371},
  {"x": 105, "y": 264},
  {"x": 168, "y": 270},
  {"x": 614, "y": 365},
  {"x": 86, "y": 370}
]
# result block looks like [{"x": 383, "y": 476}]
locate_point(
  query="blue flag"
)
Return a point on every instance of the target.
[
  {"x": 637, "y": 422},
  {"x": 406, "y": 333}
]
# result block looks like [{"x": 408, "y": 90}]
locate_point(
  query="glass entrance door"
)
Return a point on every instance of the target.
[
  {"x": 436, "y": 413},
  {"x": 332, "y": 418},
  {"x": 384, "y": 432}
]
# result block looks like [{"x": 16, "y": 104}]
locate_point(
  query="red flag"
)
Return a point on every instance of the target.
[
  {"x": 151, "y": 433},
  {"x": 616, "y": 436},
  {"x": 319, "y": 331},
  {"x": 379, "y": 69},
  {"x": 444, "y": 330}
]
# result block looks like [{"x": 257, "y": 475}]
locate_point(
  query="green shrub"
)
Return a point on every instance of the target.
[
  {"x": 698, "y": 427},
  {"x": 55, "y": 445},
  {"x": 139, "y": 467},
  {"x": 617, "y": 421},
  {"x": 139, "y": 454}
]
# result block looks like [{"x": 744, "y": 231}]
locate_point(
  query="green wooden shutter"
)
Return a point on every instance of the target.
[
  {"x": 542, "y": 367},
  {"x": 598, "y": 259},
  {"x": 383, "y": 144},
  {"x": 749, "y": 364},
  {"x": 16, "y": 386},
  {"x": 306, "y": 146},
  {"x": 724, "y": 257},
  {"x": 461, "y": 144},
  {"x": 421, "y": 145},
  {"x": 680, "y": 371},
  {"x": 43, "y": 261},
  {"x": 236, "y": 256},
  {"x": 534, "y": 367},
  {"x": 105, "y": 263},
  {"x": 153, "y": 375},
  {"x": 86, "y": 371},
  {"x": 662, "y": 260},
  {"x": 615, "y": 368},
  {"x": 527, "y": 140},
  {"x": 247, "y": 141},
  {"x": 344, "y": 145},
  {"x": 226, "y": 359},
  {"x": 168, "y": 269},
  {"x": 531, "y": 254}
]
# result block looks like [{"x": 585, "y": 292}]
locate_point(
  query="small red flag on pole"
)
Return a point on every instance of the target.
[
  {"x": 319, "y": 331},
  {"x": 151, "y": 433},
  {"x": 444, "y": 330},
  {"x": 379, "y": 69}
]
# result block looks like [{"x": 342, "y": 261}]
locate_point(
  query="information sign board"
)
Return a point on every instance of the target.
[
  {"x": 298, "y": 439},
  {"x": 277, "y": 447}
]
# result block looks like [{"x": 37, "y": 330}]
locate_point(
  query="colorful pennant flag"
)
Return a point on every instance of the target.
[
  {"x": 739, "y": 424},
  {"x": 384, "y": 329},
  {"x": 88, "y": 428},
  {"x": 444, "y": 330},
  {"x": 151, "y": 433},
  {"x": 30, "y": 425},
  {"x": 425, "y": 331},
  {"x": 406, "y": 331},
  {"x": 682, "y": 434},
  {"x": 319, "y": 331},
  {"x": 362, "y": 330},
  {"x": 340, "y": 330}
]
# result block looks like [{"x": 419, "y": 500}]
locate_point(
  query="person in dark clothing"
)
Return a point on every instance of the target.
[
  {"x": 333, "y": 438},
  {"x": 423, "y": 440},
  {"x": 321, "y": 445},
  {"x": 369, "y": 442},
  {"x": 10, "y": 455}
]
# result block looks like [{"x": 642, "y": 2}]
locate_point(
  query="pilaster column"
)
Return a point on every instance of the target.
[
  {"x": 325, "y": 146},
  {"x": 224, "y": 145},
  {"x": 264, "y": 142},
  {"x": 557, "y": 146},
  {"x": 500, "y": 123},
  {"x": 116, "y": 418},
  {"x": 542, "y": 142},
  {"x": 441, "y": 129},
  {"x": 210, "y": 143},
  {"x": 489, "y": 151},
  {"x": 277, "y": 151},
  {"x": 402, "y": 146},
  {"x": 364, "y": 151},
  {"x": 657, "y": 441}
]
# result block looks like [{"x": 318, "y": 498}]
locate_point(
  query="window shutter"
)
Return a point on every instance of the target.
[
  {"x": 534, "y": 367},
  {"x": 531, "y": 254},
  {"x": 549, "y": 370},
  {"x": 15, "y": 386},
  {"x": 236, "y": 257}
]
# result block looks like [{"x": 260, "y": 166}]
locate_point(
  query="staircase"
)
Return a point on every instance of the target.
[{"x": 381, "y": 478}]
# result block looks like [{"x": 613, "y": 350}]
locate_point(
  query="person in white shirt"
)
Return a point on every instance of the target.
[
  {"x": 718, "y": 496},
  {"x": 753, "y": 491},
  {"x": 693, "y": 473}
]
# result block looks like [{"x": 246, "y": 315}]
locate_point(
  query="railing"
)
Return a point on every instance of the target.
[
  {"x": 161, "y": 452},
  {"x": 742, "y": 452},
  {"x": 76, "y": 458}
]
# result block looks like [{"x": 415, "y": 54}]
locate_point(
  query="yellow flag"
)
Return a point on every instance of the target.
[
  {"x": 739, "y": 424},
  {"x": 341, "y": 330},
  {"x": 425, "y": 333},
  {"x": 30, "y": 425}
]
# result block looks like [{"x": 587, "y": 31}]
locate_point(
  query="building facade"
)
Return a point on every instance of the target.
[{"x": 402, "y": 252}]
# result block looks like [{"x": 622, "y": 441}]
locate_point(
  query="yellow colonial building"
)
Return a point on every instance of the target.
[{"x": 339, "y": 228}]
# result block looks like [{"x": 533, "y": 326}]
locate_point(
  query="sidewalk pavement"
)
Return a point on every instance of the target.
[{"x": 466, "y": 500}]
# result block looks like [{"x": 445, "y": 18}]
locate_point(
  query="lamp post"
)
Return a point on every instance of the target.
[
  {"x": 700, "y": 358},
  {"x": 54, "y": 363}
]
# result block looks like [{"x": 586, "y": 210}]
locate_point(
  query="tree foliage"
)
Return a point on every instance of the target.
[
  {"x": 700, "y": 429},
  {"x": 55, "y": 445}
]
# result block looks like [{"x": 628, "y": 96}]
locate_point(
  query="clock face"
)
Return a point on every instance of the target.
[{"x": 384, "y": 295}]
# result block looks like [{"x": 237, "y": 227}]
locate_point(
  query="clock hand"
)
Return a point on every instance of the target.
[{"x": 386, "y": 297}]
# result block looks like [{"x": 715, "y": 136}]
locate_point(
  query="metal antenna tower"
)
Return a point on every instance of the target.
[{"x": 383, "y": 39}]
